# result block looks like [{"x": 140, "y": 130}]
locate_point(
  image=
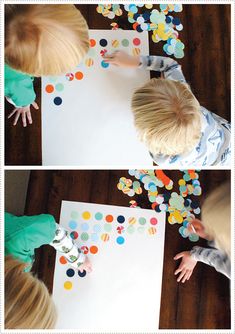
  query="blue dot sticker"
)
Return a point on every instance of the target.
[
  {"x": 70, "y": 272},
  {"x": 104, "y": 64},
  {"x": 58, "y": 101},
  {"x": 98, "y": 216},
  {"x": 97, "y": 228},
  {"x": 103, "y": 42},
  {"x": 94, "y": 237},
  {"x": 73, "y": 224},
  {"x": 120, "y": 219},
  {"x": 82, "y": 273},
  {"x": 120, "y": 240},
  {"x": 85, "y": 227}
]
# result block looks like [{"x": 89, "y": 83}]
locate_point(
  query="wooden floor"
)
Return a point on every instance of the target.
[
  {"x": 206, "y": 66},
  {"x": 201, "y": 303}
]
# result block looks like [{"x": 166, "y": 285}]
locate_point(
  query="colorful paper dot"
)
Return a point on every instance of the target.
[
  {"x": 104, "y": 64},
  {"x": 132, "y": 220},
  {"x": 108, "y": 227},
  {"x": 85, "y": 249},
  {"x": 105, "y": 237},
  {"x": 130, "y": 229},
  {"x": 84, "y": 236},
  {"x": 70, "y": 272},
  {"x": 136, "y": 41},
  {"x": 82, "y": 273},
  {"x": 98, "y": 216},
  {"x": 58, "y": 101},
  {"x": 74, "y": 235},
  {"x": 109, "y": 218},
  {"x": 125, "y": 42},
  {"x": 93, "y": 249},
  {"x": 115, "y": 43},
  {"x": 120, "y": 219},
  {"x": 89, "y": 62},
  {"x": 152, "y": 230},
  {"x": 86, "y": 215},
  {"x": 96, "y": 228},
  {"x": 153, "y": 221},
  {"x": 63, "y": 260},
  {"x": 59, "y": 87},
  {"x": 68, "y": 285},
  {"x": 69, "y": 76},
  {"x": 84, "y": 227},
  {"x": 120, "y": 240},
  {"x": 142, "y": 221},
  {"x": 79, "y": 75},
  {"x": 74, "y": 215},
  {"x": 92, "y": 43},
  {"x": 49, "y": 88},
  {"x": 135, "y": 51},
  {"x": 94, "y": 237},
  {"x": 73, "y": 224},
  {"x": 103, "y": 42}
]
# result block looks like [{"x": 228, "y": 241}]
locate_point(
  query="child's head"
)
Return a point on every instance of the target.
[
  {"x": 216, "y": 218},
  {"x": 167, "y": 116},
  {"x": 45, "y": 39},
  {"x": 28, "y": 304}
]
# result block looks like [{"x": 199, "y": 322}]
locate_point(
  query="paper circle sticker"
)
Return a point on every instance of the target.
[
  {"x": 84, "y": 236},
  {"x": 120, "y": 219},
  {"x": 89, "y": 62},
  {"x": 103, "y": 42},
  {"x": 49, "y": 88},
  {"x": 74, "y": 235},
  {"x": 85, "y": 249},
  {"x": 92, "y": 42},
  {"x": 94, "y": 237},
  {"x": 74, "y": 215},
  {"x": 79, "y": 75},
  {"x": 136, "y": 41},
  {"x": 105, "y": 237},
  {"x": 93, "y": 249},
  {"x": 70, "y": 272},
  {"x": 142, "y": 221},
  {"x": 63, "y": 260},
  {"x": 69, "y": 76},
  {"x": 152, "y": 230},
  {"x": 132, "y": 220},
  {"x": 59, "y": 87},
  {"x": 58, "y": 101},
  {"x": 120, "y": 240},
  {"x": 73, "y": 224},
  {"x": 125, "y": 42},
  {"x": 98, "y": 216},
  {"x": 82, "y": 273},
  {"x": 97, "y": 228},
  {"x": 136, "y": 52},
  {"x": 109, "y": 218},
  {"x": 68, "y": 285},
  {"x": 108, "y": 227},
  {"x": 84, "y": 227},
  {"x": 115, "y": 43},
  {"x": 153, "y": 221},
  {"x": 86, "y": 215},
  {"x": 104, "y": 64}
]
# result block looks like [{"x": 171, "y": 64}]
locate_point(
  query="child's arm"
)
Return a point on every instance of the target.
[
  {"x": 167, "y": 66},
  {"x": 66, "y": 246},
  {"x": 213, "y": 257}
]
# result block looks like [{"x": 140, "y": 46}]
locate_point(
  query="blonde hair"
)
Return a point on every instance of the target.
[
  {"x": 167, "y": 116},
  {"x": 216, "y": 217},
  {"x": 45, "y": 39},
  {"x": 28, "y": 304}
]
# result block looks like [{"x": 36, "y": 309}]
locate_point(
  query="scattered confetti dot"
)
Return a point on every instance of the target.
[
  {"x": 89, "y": 62},
  {"x": 136, "y": 41},
  {"x": 92, "y": 43},
  {"x": 153, "y": 221},
  {"x": 120, "y": 240},
  {"x": 49, "y": 88},
  {"x": 73, "y": 224},
  {"x": 103, "y": 42},
  {"x": 108, "y": 227},
  {"x": 93, "y": 249},
  {"x": 142, "y": 221},
  {"x": 152, "y": 230},
  {"x": 125, "y": 42},
  {"x": 59, "y": 87},
  {"x": 96, "y": 228},
  {"x": 79, "y": 75},
  {"x": 98, "y": 216},
  {"x": 109, "y": 218},
  {"x": 94, "y": 237},
  {"x": 63, "y": 260},
  {"x": 69, "y": 76},
  {"x": 74, "y": 215},
  {"x": 58, "y": 101},
  {"x": 105, "y": 237},
  {"x": 68, "y": 285},
  {"x": 115, "y": 43},
  {"x": 130, "y": 229},
  {"x": 120, "y": 219},
  {"x": 120, "y": 229},
  {"x": 104, "y": 64},
  {"x": 74, "y": 235},
  {"x": 85, "y": 249},
  {"x": 86, "y": 215},
  {"x": 84, "y": 227},
  {"x": 82, "y": 273},
  {"x": 70, "y": 272},
  {"x": 132, "y": 220},
  {"x": 84, "y": 236}
]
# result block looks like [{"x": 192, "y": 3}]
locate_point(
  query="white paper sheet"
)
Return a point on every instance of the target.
[
  {"x": 123, "y": 292},
  {"x": 94, "y": 123}
]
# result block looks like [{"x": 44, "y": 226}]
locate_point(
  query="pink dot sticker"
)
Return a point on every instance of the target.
[
  {"x": 136, "y": 41},
  {"x": 153, "y": 221}
]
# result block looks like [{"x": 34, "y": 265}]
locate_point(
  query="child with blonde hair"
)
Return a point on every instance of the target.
[
  {"x": 28, "y": 304},
  {"x": 40, "y": 39},
  {"x": 169, "y": 119},
  {"x": 216, "y": 228}
]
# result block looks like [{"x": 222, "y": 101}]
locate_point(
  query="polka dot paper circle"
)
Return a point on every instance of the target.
[
  {"x": 79, "y": 75},
  {"x": 109, "y": 218},
  {"x": 49, "y": 88},
  {"x": 68, "y": 285},
  {"x": 120, "y": 219},
  {"x": 74, "y": 235},
  {"x": 120, "y": 240},
  {"x": 63, "y": 260},
  {"x": 70, "y": 272},
  {"x": 103, "y": 42},
  {"x": 86, "y": 215},
  {"x": 57, "y": 101}
]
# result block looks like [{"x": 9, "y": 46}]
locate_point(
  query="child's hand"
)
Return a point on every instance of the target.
[
  {"x": 186, "y": 266},
  {"x": 86, "y": 266},
  {"x": 122, "y": 59},
  {"x": 25, "y": 114}
]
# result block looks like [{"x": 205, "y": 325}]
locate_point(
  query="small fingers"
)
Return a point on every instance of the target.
[
  {"x": 178, "y": 256},
  {"x": 12, "y": 113},
  {"x": 16, "y": 118},
  {"x": 23, "y": 117},
  {"x": 29, "y": 117},
  {"x": 35, "y": 105},
  {"x": 181, "y": 275}
]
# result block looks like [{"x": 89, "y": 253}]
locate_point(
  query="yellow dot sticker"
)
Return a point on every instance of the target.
[
  {"x": 86, "y": 215},
  {"x": 68, "y": 285}
]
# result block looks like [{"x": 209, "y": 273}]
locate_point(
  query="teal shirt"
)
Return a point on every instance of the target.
[
  {"x": 18, "y": 87},
  {"x": 24, "y": 234}
]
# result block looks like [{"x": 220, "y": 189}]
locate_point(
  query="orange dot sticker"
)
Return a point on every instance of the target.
[
  {"x": 93, "y": 249},
  {"x": 92, "y": 43},
  {"x": 63, "y": 260},
  {"x": 49, "y": 88},
  {"x": 79, "y": 75},
  {"x": 68, "y": 285},
  {"x": 109, "y": 218}
]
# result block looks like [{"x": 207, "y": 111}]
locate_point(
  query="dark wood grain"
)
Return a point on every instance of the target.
[
  {"x": 201, "y": 303},
  {"x": 206, "y": 66}
]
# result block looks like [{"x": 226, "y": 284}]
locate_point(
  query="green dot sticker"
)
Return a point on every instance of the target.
[
  {"x": 131, "y": 229},
  {"x": 108, "y": 227},
  {"x": 74, "y": 215},
  {"x": 141, "y": 229},
  {"x": 142, "y": 221},
  {"x": 59, "y": 87},
  {"x": 125, "y": 42},
  {"x": 84, "y": 236}
]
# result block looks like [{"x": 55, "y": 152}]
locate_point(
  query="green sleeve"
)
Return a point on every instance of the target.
[
  {"x": 24, "y": 234},
  {"x": 18, "y": 87}
]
